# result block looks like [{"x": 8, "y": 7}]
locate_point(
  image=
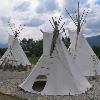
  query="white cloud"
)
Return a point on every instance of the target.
[{"x": 26, "y": 15}]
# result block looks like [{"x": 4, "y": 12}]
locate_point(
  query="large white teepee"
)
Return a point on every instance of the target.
[
  {"x": 14, "y": 54},
  {"x": 56, "y": 74},
  {"x": 83, "y": 55}
]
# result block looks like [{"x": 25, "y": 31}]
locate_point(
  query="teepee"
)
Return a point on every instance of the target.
[
  {"x": 81, "y": 51},
  {"x": 83, "y": 55},
  {"x": 55, "y": 73},
  {"x": 14, "y": 55}
]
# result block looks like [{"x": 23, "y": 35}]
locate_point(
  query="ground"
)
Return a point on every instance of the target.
[{"x": 9, "y": 82}]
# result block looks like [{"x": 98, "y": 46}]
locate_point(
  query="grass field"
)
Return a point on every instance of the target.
[{"x": 33, "y": 60}]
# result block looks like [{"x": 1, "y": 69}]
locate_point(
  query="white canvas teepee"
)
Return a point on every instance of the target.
[
  {"x": 56, "y": 74},
  {"x": 14, "y": 54},
  {"x": 83, "y": 55}
]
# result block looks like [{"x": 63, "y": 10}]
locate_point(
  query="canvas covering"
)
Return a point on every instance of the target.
[
  {"x": 62, "y": 75},
  {"x": 87, "y": 61},
  {"x": 15, "y": 53}
]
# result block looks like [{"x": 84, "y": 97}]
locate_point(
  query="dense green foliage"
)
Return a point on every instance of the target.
[
  {"x": 97, "y": 51},
  {"x": 32, "y": 48},
  {"x": 2, "y": 51}
]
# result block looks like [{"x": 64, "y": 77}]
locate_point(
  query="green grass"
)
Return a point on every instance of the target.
[{"x": 33, "y": 60}]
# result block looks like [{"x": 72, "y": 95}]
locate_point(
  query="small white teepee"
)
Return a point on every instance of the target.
[
  {"x": 87, "y": 62},
  {"x": 83, "y": 55},
  {"x": 56, "y": 74},
  {"x": 14, "y": 54}
]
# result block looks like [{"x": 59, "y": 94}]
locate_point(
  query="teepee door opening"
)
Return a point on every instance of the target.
[{"x": 39, "y": 83}]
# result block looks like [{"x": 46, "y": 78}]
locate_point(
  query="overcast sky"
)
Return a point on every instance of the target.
[{"x": 36, "y": 13}]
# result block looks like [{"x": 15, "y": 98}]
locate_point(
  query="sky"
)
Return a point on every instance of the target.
[{"x": 35, "y": 15}]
